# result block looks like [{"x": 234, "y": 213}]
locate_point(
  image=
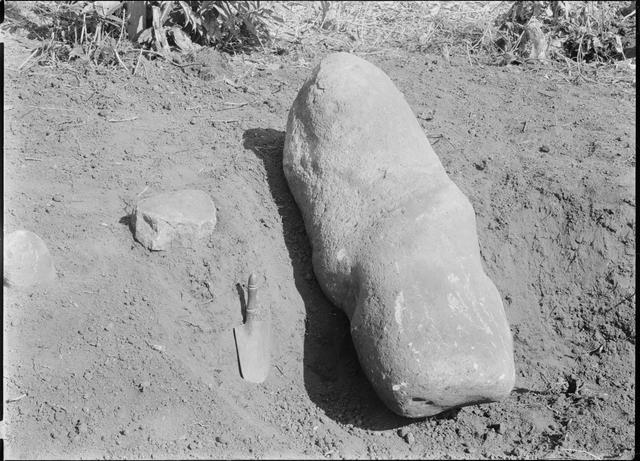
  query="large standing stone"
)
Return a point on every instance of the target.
[
  {"x": 184, "y": 215},
  {"x": 394, "y": 243},
  {"x": 27, "y": 260}
]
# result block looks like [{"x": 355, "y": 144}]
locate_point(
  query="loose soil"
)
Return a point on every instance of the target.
[{"x": 548, "y": 165}]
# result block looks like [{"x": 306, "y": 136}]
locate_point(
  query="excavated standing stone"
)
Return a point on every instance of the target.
[
  {"x": 394, "y": 243},
  {"x": 27, "y": 260},
  {"x": 183, "y": 215}
]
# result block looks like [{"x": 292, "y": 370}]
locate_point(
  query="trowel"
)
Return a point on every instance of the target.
[{"x": 253, "y": 338}]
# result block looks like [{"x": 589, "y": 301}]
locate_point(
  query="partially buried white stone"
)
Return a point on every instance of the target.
[
  {"x": 394, "y": 243},
  {"x": 181, "y": 215},
  {"x": 27, "y": 260}
]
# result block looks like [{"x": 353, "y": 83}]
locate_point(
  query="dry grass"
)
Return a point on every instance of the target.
[
  {"x": 68, "y": 31},
  {"x": 459, "y": 28},
  {"x": 366, "y": 27}
]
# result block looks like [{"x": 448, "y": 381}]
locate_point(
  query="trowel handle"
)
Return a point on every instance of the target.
[{"x": 252, "y": 305}]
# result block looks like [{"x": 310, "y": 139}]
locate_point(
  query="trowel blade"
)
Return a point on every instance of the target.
[{"x": 253, "y": 343}]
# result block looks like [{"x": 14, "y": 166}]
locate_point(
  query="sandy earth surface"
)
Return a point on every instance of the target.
[{"x": 548, "y": 165}]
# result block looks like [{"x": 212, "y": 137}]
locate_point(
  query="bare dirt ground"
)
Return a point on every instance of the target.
[{"x": 548, "y": 164}]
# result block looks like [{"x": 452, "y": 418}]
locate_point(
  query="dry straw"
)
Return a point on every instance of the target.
[
  {"x": 469, "y": 29},
  {"x": 380, "y": 26}
]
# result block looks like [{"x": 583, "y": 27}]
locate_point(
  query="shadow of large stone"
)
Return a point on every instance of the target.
[{"x": 332, "y": 377}]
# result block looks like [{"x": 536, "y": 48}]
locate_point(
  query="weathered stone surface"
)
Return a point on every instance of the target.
[
  {"x": 183, "y": 215},
  {"x": 394, "y": 243},
  {"x": 27, "y": 260}
]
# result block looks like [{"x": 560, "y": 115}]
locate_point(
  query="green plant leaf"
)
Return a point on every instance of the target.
[{"x": 166, "y": 7}]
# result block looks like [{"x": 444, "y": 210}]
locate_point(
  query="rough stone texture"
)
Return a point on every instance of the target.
[
  {"x": 184, "y": 215},
  {"x": 394, "y": 243},
  {"x": 27, "y": 260}
]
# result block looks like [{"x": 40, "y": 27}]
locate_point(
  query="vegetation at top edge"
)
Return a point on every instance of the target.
[{"x": 96, "y": 31}]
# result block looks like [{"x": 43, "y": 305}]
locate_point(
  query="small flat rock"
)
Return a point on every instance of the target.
[
  {"x": 27, "y": 260},
  {"x": 181, "y": 215}
]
